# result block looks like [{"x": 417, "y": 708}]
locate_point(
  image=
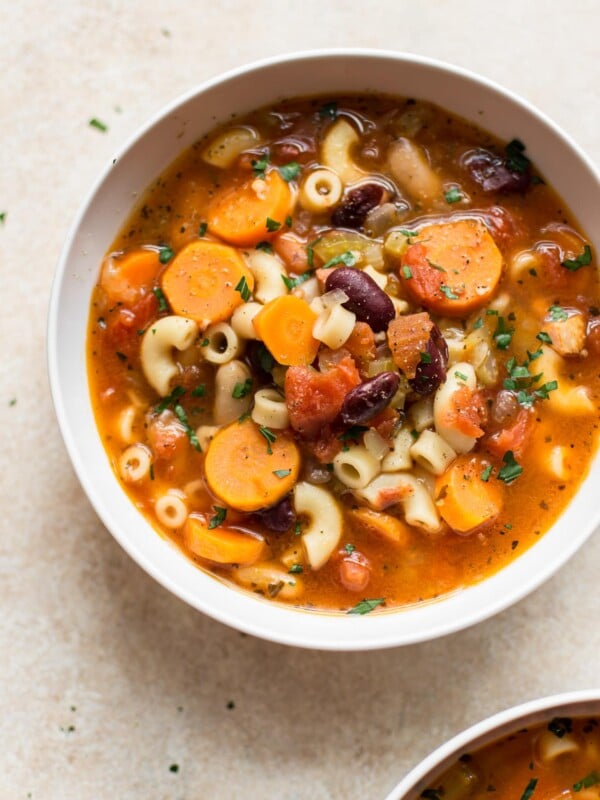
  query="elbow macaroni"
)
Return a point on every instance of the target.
[
  {"x": 156, "y": 352},
  {"x": 324, "y": 530}
]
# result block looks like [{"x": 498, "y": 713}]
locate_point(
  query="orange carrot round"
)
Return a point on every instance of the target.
[
  {"x": 285, "y": 326},
  {"x": 250, "y": 467},
  {"x": 124, "y": 278},
  {"x": 221, "y": 545},
  {"x": 452, "y": 268},
  {"x": 255, "y": 210},
  {"x": 200, "y": 282},
  {"x": 465, "y": 499}
]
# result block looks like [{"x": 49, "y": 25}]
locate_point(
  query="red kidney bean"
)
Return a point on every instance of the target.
[
  {"x": 356, "y": 205},
  {"x": 369, "y": 398},
  {"x": 431, "y": 373},
  {"x": 365, "y": 299},
  {"x": 278, "y": 518},
  {"x": 493, "y": 174}
]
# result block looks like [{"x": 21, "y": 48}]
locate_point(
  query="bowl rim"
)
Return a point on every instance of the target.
[
  {"x": 320, "y": 636},
  {"x": 491, "y": 728}
]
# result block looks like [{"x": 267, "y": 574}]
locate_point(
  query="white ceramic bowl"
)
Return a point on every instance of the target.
[
  {"x": 573, "y": 704},
  {"x": 103, "y": 213}
]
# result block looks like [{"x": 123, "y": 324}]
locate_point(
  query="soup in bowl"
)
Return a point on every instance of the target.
[
  {"x": 547, "y": 749},
  {"x": 342, "y": 352}
]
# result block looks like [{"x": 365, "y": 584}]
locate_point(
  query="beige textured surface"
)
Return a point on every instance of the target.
[{"x": 106, "y": 680}]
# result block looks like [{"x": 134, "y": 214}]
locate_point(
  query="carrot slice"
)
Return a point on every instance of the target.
[
  {"x": 453, "y": 268},
  {"x": 125, "y": 278},
  {"x": 285, "y": 326},
  {"x": 464, "y": 499},
  {"x": 200, "y": 282},
  {"x": 248, "y": 467},
  {"x": 252, "y": 211},
  {"x": 383, "y": 525},
  {"x": 221, "y": 545}
]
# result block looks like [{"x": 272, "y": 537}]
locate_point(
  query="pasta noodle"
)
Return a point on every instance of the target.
[
  {"x": 321, "y": 190},
  {"x": 223, "y": 344},
  {"x": 323, "y": 532},
  {"x": 158, "y": 343}
]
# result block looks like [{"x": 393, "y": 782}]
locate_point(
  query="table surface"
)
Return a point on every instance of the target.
[{"x": 107, "y": 681}]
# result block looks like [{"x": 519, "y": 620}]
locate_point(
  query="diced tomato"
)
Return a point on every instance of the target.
[
  {"x": 126, "y": 325},
  {"x": 166, "y": 435},
  {"x": 314, "y": 399},
  {"x": 385, "y": 424},
  {"x": 468, "y": 411},
  {"x": 326, "y": 447},
  {"x": 355, "y": 571},
  {"x": 361, "y": 344},
  {"x": 513, "y": 438},
  {"x": 292, "y": 250}
]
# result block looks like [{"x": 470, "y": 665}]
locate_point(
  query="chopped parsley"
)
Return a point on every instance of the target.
[
  {"x": 177, "y": 392},
  {"x": 202, "y": 229},
  {"x": 199, "y": 391},
  {"x": 98, "y": 124},
  {"x": 310, "y": 253},
  {"x": 583, "y": 260},
  {"x": 425, "y": 358},
  {"x": 282, "y": 473},
  {"x": 165, "y": 254},
  {"x": 446, "y": 290},
  {"x": 290, "y": 172},
  {"x": 190, "y": 432},
  {"x": 328, "y": 110},
  {"x": 174, "y": 768},
  {"x": 204, "y": 342},
  {"x": 241, "y": 389},
  {"x": 218, "y": 519},
  {"x": 503, "y": 334},
  {"x": 366, "y": 606},
  {"x": 511, "y": 470},
  {"x": 408, "y": 233},
  {"x": 291, "y": 283},
  {"x": 243, "y": 288},
  {"x": 352, "y": 433},
  {"x": 433, "y": 265},
  {"x": 289, "y": 221},
  {"x": 590, "y": 780},
  {"x": 272, "y": 225},
  {"x": 478, "y": 324},
  {"x": 558, "y": 314},
  {"x": 460, "y": 375},
  {"x": 2, "y": 217},
  {"x": 529, "y": 789},
  {"x": 265, "y": 247},
  {"x": 297, "y": 528},
  {"x": 544, "y": 337},
  {"x": 259, "y": 166},
  {"x": 560, "y": 726},
  {"x": 485, "y": 475},
  {"x": 295, "y": 569},
  {"x": 349, "y": 548},
  {"x": 348, "y": 259},
  {"x": 269, "y": 436},
  {"x": 407, "y": 273},
  {"x": 453, "y": 195},
  {"x": 162, "y": 300},
  {"x": 516, "y": 159}
]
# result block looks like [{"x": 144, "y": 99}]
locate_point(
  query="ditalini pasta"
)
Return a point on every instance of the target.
[
  {"x": 557, "y": 759},
  {"x": 345, "y": 353}
]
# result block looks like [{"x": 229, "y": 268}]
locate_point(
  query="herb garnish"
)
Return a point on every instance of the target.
[
  {"x": 218, "y": 519},
  {"x": 453, "y": 195},
  {"x": 365, "y": 606},
  {"x": 199, "y": 391},
  {"x": 515, "y": 156},
  {"x": 348, "y": 259},
  {"x": 558, "y": 314},
  {"x": 165, "y": 254},
  {"x": 349, "y": 548},
  {"x": 269, "y": 436},
  {"x": 407, "y": 273},
  {"x": 96, "y": 123},
  {"x": 2, "y": 217},
  {"x": 433, "y": 265},
  {"x": 190, "y": 432},
  {"x": 266, "y": 247},
  {"x": 202, "y": 229},
  {"x": 406, "y": 232},
  {"x": 511, "y": 470},
  {"x": 291, "y": 283},
  {"x": 583, "y": 260},
  {"x": 290, "y": 171},
  {"x": 529, "y": 789},
  {"x": 485, "y": 475},
  {"x": 162, "y": 300},
  {"x": 544, "y": 337},
  {"x": 177, "y": 392},
  {"x": 241, "y": 389},
  {"x": 295, "y": 569},
  {"x": 448, "y": 292},
  {"x": 425, "y": 358},
  {"x": 272, "y": 225},
  {"x": 282, "y": 473},
  {"x": 243, "y": 288},
  {"x": 310, "y": 253},
  {"x": 559, "y": 726},
  {"x": 590, "y": 780},
  {"x": 503, "y": 334},
  {"x": 259, "y": 166},
  {"x": 328, "y": 110}
]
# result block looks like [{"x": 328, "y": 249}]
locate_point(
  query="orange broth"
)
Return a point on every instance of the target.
[{"x": 548, "y": 278}]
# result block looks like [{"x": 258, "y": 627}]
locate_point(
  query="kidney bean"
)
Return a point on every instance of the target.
[
  {"x": 431, "y": 373},
  {"x": 278, "y": 518},
  {"x": 493, "y": 174},
  {"x": 365, "y": 299},
  {"x": 369, "y": 398},
  {"x": 356, "y": 205}
]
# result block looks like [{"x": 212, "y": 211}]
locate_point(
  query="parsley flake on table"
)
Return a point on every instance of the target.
[{"x": 98, "y": 125}]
